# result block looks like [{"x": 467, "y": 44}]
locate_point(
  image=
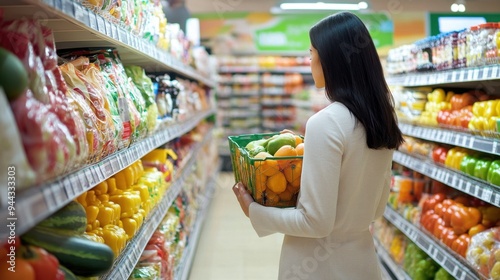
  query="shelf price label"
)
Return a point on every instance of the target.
[{"x": 486, "y": 195}]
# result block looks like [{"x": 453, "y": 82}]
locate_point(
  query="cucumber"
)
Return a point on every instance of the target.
[
  {"x": 69, "y": 220},
  {"x": 80, "y": 255}
]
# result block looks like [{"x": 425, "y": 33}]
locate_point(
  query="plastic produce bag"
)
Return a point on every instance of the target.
[
  {"x": 484, "y": 253},
  {"x": 12, "y": 159},
  {"x": 145, "y": 86}
]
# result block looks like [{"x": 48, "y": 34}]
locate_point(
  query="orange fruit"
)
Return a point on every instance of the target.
[
  {"x": 300, "y": 149},
  {"x": 292, "y": 189},
  {"x": 271, "y": 198},
  {"x": 260, "y": 186},
  {"x": 267, "y": 167},
  {"x": 277, "y": 183},
  {"x": 293, "y": 170},
  {"x": 286, "y": 195},
  {"x": 298, "y": 140},
  {"x": 285, "y": 151}
]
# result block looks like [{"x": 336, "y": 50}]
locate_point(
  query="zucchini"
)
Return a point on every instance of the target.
[
  {"x": 80, "y": 255},
  {"x": 69, "y": 220}
]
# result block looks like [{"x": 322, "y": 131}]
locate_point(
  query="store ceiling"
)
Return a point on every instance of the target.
[{"x": 391, "y": 6}]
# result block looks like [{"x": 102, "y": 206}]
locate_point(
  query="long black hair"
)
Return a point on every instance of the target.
[{"x": 354, "y": 76}]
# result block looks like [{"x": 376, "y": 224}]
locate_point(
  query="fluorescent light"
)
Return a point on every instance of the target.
[{"x": 323, "y": 6}]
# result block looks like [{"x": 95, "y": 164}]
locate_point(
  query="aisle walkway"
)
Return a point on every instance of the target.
[{"x": 229, "y": 248}]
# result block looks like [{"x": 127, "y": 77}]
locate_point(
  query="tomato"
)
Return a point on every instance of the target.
[
  {"x": 23, "y": 270},
  {"x": 43, "y": 263}
]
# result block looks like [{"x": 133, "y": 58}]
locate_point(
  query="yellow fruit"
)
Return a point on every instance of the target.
[
  {"x": 298, "y": 140},
  {"x": 271, "y": 198},
  {"x": 286, "y": 195},
  {"x": 285, "y": 151},
  {"x": 267, "y": 167},
  {"x": 277, "y": 183},
  {"x": 260, "y": 186},
  {"x": 293, "y": 171},
  {"x": 293, "y": 188}
]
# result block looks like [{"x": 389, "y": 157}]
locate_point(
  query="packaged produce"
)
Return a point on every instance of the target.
[
  {"x": 13, "y": 158},
  {"x": 48, "y": 156},
  {"x": 13, "y": 76},
  {"x": 145, "y": 87},
  {"x": 484, "y": 253}
]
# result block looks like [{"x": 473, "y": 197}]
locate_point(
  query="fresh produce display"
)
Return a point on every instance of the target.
[
  {"x": 484, "y": 253},
  {"x": 16, "y": 81},
  {"x": 418, "y": 264},
  {"x": 269, "y": 165}
]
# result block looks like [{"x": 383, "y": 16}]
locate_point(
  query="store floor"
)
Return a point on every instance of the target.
[{"x": 229, "y": 248}]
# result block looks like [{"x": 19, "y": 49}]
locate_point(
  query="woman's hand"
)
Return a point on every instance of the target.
[
  {"x": 287, "y": 131},
  {"x": 244, "y": 198}
]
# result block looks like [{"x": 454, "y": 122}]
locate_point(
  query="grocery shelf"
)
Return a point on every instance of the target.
[
  {"x": 257, "y": 69},
  {"x": 395, "y": 269},
  {"x": 456, "y": 267},
  {"x": 183, "y": 269},
  {"x": 75, "y": 26},
  {"x": 441, "y": 135},
  {"x": 126, "y": 262},
  {"x": 455, "y": 179},
  {"x": 39, "y": 202},
  {"x": 464, "y": 75}
]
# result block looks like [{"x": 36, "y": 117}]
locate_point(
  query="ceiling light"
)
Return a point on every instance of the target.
[
  {"x": 454, "y": 7},
  {"x": 461, "y": 8},
  {"x": 323, "y": 6}
]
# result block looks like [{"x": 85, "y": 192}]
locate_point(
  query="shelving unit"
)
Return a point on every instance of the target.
[
  {"x": 460, "y": 139},
  {"x": 478, "y": 77},
  {"x": 457, "y": 267},
  {"x": 39, "y": 202},
  {"x": 76, "y": 26},
  {"x": 457, "y": 76},
  {"x": 125, "y": 263},
  {"x": 455, "y": 179},
  {"x": 394, "y": 268}
]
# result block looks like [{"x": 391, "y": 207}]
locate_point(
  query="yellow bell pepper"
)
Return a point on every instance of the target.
[
  {"x": 144, "y": 194},
  {"x": 112, "y": 189},
  {"x": 93, "y": 237},
  {"x": 121, "y": 181},
  {"x": 103, "y": 198},
  {"x": 105, "y": 215},
  {"x": 91, "y": 198},
  {"x": 92, "y": 212},
  {"x": 129, "y": 201},
  {"x": 492, "y": 123},
  {"x": 82, "y": 199},
  {"x": 115, "y": 237},
  {"x": 130, "y": 226},
  {"x": 129, "y": 175},
  {"x": 139, "y": 218},
  {"x": 101, "y": 188}
]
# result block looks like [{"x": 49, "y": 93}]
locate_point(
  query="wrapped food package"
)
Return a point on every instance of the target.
[
  {"x": 52, "y": 134},
  {"x": 484, "y": 253}
]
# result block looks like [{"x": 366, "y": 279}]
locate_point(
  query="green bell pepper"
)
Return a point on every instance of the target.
[
  {"x": 481, "y": 168},
  {"x": 471, "y": 164},
  {"x": 442, "y": 274},
  {"x": 465, "y": 162},
  {"x": 494, "y": 173}
]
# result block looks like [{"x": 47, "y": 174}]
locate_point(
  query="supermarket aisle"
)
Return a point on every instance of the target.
[{"x": 229, "y": 248}]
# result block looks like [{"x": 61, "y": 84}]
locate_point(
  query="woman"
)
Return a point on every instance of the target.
[{"x": 346, "y": 166}]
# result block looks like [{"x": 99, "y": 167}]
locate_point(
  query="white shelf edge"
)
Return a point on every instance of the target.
[
  {"x": 77, "y": 13},
  {"x": 469, "y": 141},
  {"x": 482, "y": 190},
  {"x": 463, "y": 75},
  {"x": 389, "y": 261},
  {"x": 126, "y": 262},
  {"x": 184, "y": 268},
  {"x": 39, "y": 202},
  {"x": 455, "y": 267},
  {"x": 258, "y": 69}
]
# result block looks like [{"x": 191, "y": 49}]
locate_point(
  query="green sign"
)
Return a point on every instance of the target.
[
  {"x": 286, "y": 33},
  {"x": 437, "y": 20},
  {"x": 290, "y": 33}
]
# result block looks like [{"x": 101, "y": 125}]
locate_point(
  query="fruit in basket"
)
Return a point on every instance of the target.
[
  {"x": 267, "y": 167},
  {"x": 277, "y": 141},
  {"x": 293, "y": 171},
  {"x": 277, "y": 183},
  {"x": 13, "y": 75},
  {"x": 256, "y": 147},
  {"x": 285, "y": 151}
]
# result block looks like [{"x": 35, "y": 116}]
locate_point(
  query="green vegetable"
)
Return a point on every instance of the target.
[
  {"x": 80, "y": 255},
  {"x": 281, "y": 140},
  {"x": 68, "y": 275},
  {"x": 494, "y": 173},
  {"x": 481, "y": 168},
  {"x": 425, "y": 269},
  {"x": 69, "y": 220},
  {"x": 13, "y": 75},
  {"x": 442, "y": 274}
]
